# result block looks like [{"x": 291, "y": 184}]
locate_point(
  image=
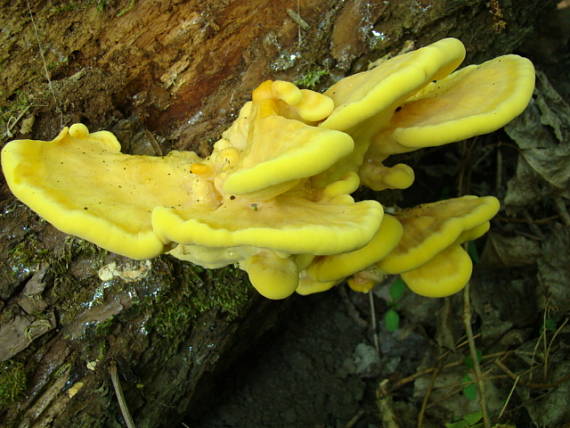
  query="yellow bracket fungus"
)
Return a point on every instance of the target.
[
  {"x": 274, "y": 197},
  {"x": 444, "y": 275},
  {"x": 340, "y": 266},
  {"x": 83, "y": 185},
  {"x": 431, "y": 228}
]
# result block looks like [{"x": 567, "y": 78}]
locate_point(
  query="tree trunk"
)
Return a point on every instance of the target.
[{"x": 165, "y": 75}]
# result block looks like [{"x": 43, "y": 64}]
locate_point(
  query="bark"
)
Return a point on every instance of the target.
[{"x": 165, "y": 75}]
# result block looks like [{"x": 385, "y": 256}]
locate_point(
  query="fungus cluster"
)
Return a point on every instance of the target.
[{"x": 274, "y": 196}]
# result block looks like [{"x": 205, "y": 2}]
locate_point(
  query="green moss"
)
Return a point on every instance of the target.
[
  {"x": 310, "y": 79},
  {"x": 72, "y": 6},
  {"x": 102, "y": 4},
  {"x": 66, "y": 7},
  {"x": 27, "y": 255},
  {"x": 226, "y": 290},
  {"x": 172, "y": 320},
  {"x": 67, "y": 291},
  {"x": 127, "y": 9},
  {"x": 104, "y": 328},
  {"x": 12, "y": 382}
]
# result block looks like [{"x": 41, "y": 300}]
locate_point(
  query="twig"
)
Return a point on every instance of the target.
[
  {"x": 301, "y": 23},
  {"x": 354, "y": 420},
  {"x": 296, "y": 17},
  {"x": 12, "y": 123},
  {"x": 545, "y": 351},
  {"x": 549, "y": 346},
  {"x": 562, "y": 210},
  {"x": 120, "y": 396},
  {"x": 373, "y": 321},
  {"x": 532, "y": 226},
  {"x": 154, "y": 143},
  {"x": 530, "y": 385},
  {"x": 426, "y": 398},
  {"x": 473, "y": 352},
  {"x": 530, "y": 236},
  {"x": 542, "y": 339},
  {"x": 509, "y": 397},
  {"x": 498, "y": 178},
  {"x": 384, "y": 403},
  {"x": 408, "y": 379}
]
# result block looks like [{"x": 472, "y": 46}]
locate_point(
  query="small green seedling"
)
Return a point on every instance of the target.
[
  {"x": 549, "y": 325},
  {"x": 471, "y": 420},
  {"x": 311, "y": 79},
  {"x": 392, "y": 317},
  {"x": 470, "y": 389}
]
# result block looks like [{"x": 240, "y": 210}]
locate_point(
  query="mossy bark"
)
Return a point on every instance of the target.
[{"x": 165, "y": 75}]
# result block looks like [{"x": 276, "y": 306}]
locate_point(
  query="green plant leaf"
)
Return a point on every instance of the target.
[
  {"x": 473, "y": 418},
  {"x": 470, "y": 389},
  {"x": 549, "y": 324},
  {"x": 470, "y": 420},
  {"x": 397, "y": 290},
  {"x": 391, "y": 320}
]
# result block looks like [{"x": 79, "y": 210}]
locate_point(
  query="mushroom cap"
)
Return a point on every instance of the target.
[
  {"x": 84, "y": 186},
  {"x": 446, "y": 274},
  {"x": 273, "y": 144},
  {"x": 336, "y": 267},
  {"x": 289, "y": 101},
  {"x": 431, "y": 228},
  {"x": 365, "y": 102},
  {"x": 366, "y": 94},
  {"x": 363, "y": 282},
  {"x": 475, "y": 100},
  {"x": 343, "y": 186},
  {"x": 136, "y": 205},
  {"x": 274, "y": 276},
  {"x": 377, "y": 176},
  {"x": 280, "y": 150},
  {"x": 290, "y": 223},
  {"x": 308, "y": 285}
]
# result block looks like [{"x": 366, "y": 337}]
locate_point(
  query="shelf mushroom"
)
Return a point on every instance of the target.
[
  {"x": 274, "y": 197},
  {"x": 365, "y": 102},
  {"x": 429, "y": 256},
  {"x": 326, "y": 271},
  {"x": 474, "y": 100}
]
